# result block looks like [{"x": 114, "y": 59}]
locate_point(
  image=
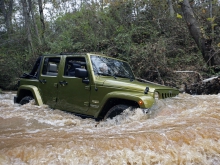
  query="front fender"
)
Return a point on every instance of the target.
[
  {"x": 147, "y": 100},
  {"x": 34, "y": 90}
]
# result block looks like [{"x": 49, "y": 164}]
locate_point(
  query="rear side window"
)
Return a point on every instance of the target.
[{"x": 51, "y": 66}]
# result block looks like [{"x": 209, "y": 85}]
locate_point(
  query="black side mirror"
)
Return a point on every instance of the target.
[{"x": 82, "y": 73}]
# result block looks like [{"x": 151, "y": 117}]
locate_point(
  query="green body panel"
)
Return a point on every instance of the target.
[
  {"x": 48, "y": 90},
  {"x": 48, "y": 87},
  {"x": 90, "y": 98},
  {"x": 33, "y": 82},
  {"x": 74, "y": 96}
]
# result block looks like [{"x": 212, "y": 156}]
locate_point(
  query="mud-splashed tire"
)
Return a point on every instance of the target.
[
  {"x": 115, "y": 110},
  {"x": 26, "y": 100}
]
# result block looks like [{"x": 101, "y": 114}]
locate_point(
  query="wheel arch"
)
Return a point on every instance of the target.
[
  {"x": 121, "y": 97},
  {"x": 115, "y": 101},
  {"x": 29, "y": 90}
]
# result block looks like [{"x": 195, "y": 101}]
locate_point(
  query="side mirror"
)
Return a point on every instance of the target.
[{"x": 82, "y": 73}]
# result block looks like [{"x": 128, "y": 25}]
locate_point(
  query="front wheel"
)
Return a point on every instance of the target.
[
  {"x": 26, "y": 100},
  {"x": 116, "y": 110}
]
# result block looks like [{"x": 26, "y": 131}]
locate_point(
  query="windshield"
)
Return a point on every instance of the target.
[{"x": 111, "y": 67}]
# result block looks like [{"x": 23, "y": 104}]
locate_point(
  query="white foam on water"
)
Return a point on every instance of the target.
[{"x": 179, "y": 130}]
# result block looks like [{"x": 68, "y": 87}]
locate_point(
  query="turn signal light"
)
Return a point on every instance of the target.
[{"x": 140, "y": 102}]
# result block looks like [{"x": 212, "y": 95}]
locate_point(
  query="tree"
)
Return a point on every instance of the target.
[
  {"x": 30, "y": 3},
  {"x": 203, "y": 42},
  {"x": 6, "y": 8},
  {"x": 26, "y": 16},
  {"x": 171, "y": 8},
  {"x": 41, "y": 19}
]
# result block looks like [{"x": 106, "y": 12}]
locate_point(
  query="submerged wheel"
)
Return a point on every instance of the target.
[
  {"x": 26, "y": 100},
  {"x": 115, "y": 110}
]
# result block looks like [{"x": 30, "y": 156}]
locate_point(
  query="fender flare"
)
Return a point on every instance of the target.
[
  {"x": 35, "y": 92},
  {"x": 148, "y": 100}
]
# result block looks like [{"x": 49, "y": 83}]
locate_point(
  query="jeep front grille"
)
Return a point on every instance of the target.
[{"x": 166, "y": 95}]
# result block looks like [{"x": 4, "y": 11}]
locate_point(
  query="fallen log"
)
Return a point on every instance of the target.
[
  {"x": 203, "y": 86},
  {"x": 209, "y": 79},
  {"x": 207, "y": 86}
]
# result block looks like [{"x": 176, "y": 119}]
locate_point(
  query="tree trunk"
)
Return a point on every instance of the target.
[
  {"x": 203, "y": 43},
  {"x": 210, "y": 15},
  {"x": 27, "y": 25},
  {"x": 41, "y": 19},
  {"x": 34, "y": 21},
  {"x": 7, "y": 14},
  {"x": 171, "y": 8}
]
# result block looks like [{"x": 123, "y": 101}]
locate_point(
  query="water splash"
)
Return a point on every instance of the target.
[{"x": 180, "y": 130}]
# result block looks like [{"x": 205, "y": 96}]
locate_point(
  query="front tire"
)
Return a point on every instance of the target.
[
  {"x": 116, "y": 110},
  {"x": 26, "y": 100}
]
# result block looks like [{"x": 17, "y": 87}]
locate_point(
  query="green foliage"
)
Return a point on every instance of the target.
[
  {"x": 141, "y": 32},
  {"x": 8, "y": 70}
]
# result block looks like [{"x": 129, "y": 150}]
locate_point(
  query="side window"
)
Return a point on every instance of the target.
[
  {"x": 72, "y": 63},
  {"x": 50, "y": 66}
]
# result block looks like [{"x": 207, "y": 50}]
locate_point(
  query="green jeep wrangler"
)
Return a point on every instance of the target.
[{"x": 89, "y": 85}]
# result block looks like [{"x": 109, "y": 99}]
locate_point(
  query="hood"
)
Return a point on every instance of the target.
[{"x": 134, "y": 85}]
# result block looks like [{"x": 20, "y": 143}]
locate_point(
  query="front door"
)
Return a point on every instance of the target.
[
  {"x": 48, "y": 78},
  {"x": 73, "y": 94}
]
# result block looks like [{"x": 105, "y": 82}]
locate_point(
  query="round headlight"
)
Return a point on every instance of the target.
[{"x": 156, "y": 95}]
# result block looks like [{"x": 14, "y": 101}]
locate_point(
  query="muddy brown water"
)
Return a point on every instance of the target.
[{"x": 184, "y": 130}]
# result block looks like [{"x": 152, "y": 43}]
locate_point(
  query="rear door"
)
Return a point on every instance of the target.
[
  {"x": 48, "y": 78},
  {"x": 73, "y": 94}
]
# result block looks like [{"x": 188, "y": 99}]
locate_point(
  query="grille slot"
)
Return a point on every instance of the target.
[{"x": 166, "y": 95}]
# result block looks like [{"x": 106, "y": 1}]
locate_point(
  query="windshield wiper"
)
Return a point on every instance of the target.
[
  {"x": 104, "y": 74},
  {"x": 114, "y": 75},
  {"x": 131, "y": 79},
  {"x": 107, "y": 74},
  {"x": 123, "y": 76}
]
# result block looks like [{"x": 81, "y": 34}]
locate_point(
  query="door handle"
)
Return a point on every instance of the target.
[
  {"x": 43, "y": 81},
  {"x": 63, "y": 83}
]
